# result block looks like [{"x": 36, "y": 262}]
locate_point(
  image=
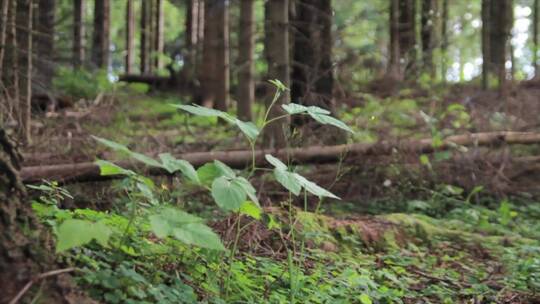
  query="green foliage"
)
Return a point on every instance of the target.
[
  {"x": 74, "y": 233},
  {"x": 184, "y": 227},
  {"x": 294, "y": 182},
  {"x": 80, "y": 83}
]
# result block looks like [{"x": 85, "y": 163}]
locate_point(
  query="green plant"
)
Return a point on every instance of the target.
[{"x": 81, "y": 83}]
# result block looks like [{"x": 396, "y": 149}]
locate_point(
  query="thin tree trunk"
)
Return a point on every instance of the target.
[
  {"x": 45, "y": 41},
  {"x": 158, "y": 34},
  {"x": 192, "y": 35},
  {"x": 246, "y": 47},
  {"x": 3, "y": 31},
  {"x": 324, "y": 84},
  {"x": 145, "y": 34},
  {"x": 78, "y": 32},
  {"x": 445, "y": 40},
  {"x": 407, "y": 36},
  {"x": 222, "y": 56},
  {"x": 486, "y": 37},
  {"x": 25, "y": 11},
  {"x": 277, "y": 51},
  {"x": 14, "y": 58},
  {"x": 394, "y": 65},
  {"x": 207, "y": 73},
  {"x": 535, "y": 39},
  {"x": 429, "y": 15},
  {"x": 101, "y": 40},
  {"x": 312, "y": 71},
  {"x": 130, "y": 36}
]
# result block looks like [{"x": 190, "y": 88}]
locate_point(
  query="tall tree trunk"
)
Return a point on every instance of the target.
[
  {"x": 4, "y": 9},
  {"x": 246, "y": 47},
  {"x": 407, "y": 36},
  {"x": 500, "y": 25},
  {"x": 145, "y": 34},
  {"x": 192, "y": 35},
  {"x": 101, "y": 35},
  {"x": 10, "y": 73},
  {"x": 207, "y": 73},
  {"x": 45, "y": 42},
  {"x": 277, "y": 52},
  {"x": 394, "y": 65},
  {"x": 130, "y": 37},
  {"x": 78, "y": 32},
  {"x": 535, "y": 39},
  {"x": 158, "y": 34},
  {"x": 312, "y": 72},
  {"x": 486, "y": 58},
  {"x": 429, "y": 21},
  {"x": 24, "y": 17},
  {"x": 444, "y": 38},
  {"x": 222, "y": 56}
]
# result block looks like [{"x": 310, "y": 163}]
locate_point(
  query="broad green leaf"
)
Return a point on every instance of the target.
[
  {"x": 145, "y": 159},
  {"x": 111, "y": 144},
  {"x": 249, "y": 208},
  {"x": 278, "y": 164},
  {"x": 317, "y": 110},
  {"x": 288, "y": 180},
  {"x": 199, "y": 111},
  {"x": 294, "y": 108},
  {"x": 74, "y": 233},
  {"x": 208, "y": 172},
  {"x": 329, "y": 120},
  {"x": 199, "y": 235},
  {"x": 224, "y": 169},
  {"x": 121, "y": 148},
  {"x": 248, "y": 128},
  {"x": 204, "y": 111},
  {"x": 160, "y": 227},
  {"x": 313, "y": 188},
  {"x": 172, "y": 165},
  {"x": 248, "y": 188},
  {"x": 107, "y": 168},
  {"x": 184, "y": 227},
  {"x": 228, "y": 195}
]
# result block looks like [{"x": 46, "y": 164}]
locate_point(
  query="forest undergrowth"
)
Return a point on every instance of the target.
[{"x": 409, "y": 236}]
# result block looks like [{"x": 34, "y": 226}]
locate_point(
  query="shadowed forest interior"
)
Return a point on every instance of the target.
[{"x": 269, "y": 151}]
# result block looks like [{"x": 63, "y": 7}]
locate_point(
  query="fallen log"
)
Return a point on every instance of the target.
[{"x": 88, "y": 171}]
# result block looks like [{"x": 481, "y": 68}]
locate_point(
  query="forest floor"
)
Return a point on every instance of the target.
[{"x": 409, "y": 228}]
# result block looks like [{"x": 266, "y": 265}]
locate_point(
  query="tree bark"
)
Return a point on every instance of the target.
[
  {"x": 497, "y": 19},
  {"x": 306, "y": 155},
  {"x": 192, "y": 35},
  {"x": 486, "y": 58},
  {"x": 428, "y": 35},
  {"x": 222, "y": 56},
  {"x": 130, "y": 37},
  {"x": 394, "y": 64},
  {"x": 444, "y": 38},
  {"x": 407, "y": 37},
  {"x": 312, "y": 71},
  {"x": 78, "y": 33},
  {"x": 246, "y": 47},
  {"x": 101, "y": 35},
  {"x": 277, "y": 52},
  {"x": 145, "y": 36},
  {"x": 207, "y": 73},
  {"x": 4, "y": 9},
  {"x": 25, "y": 18},
  {"x": 535, "y": 39},
  {"x": 45, "y": 42},
  {"x": 158, "y": 35}
]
